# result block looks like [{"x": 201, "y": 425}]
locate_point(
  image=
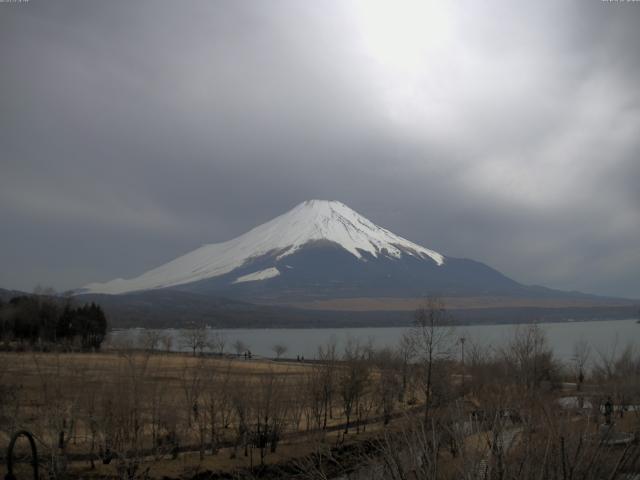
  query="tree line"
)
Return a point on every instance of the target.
[{"x": 43, "y": 321}]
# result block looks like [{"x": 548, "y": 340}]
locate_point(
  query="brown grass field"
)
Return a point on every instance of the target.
[
  {"x": 131, "y": 402},
  {"x": 50, "y": 392}
]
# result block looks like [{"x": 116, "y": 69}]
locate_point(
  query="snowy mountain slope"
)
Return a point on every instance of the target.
[
  {"x": 259, "y": 275},
  {"x": 310, "y": 222},
  {"x": 321, "y": 270}
]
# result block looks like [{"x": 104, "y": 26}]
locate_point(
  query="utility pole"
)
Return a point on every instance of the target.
[{"x": 462, "y": 340}]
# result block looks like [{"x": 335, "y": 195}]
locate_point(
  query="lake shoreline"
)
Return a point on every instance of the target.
[
  {"x": 603, "y": 335},
  {"x": 408, "y": 324}
]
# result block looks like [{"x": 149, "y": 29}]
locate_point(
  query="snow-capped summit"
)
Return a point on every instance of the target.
[
  {"x": 335, "y": 222},
  {"x": 311, "y": 222}
]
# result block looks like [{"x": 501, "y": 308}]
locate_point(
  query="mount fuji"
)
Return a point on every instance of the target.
[{"x": 319, "y": 250}]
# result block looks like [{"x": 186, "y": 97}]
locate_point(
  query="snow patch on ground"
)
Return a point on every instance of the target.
[{"x": 260, "y": 275}]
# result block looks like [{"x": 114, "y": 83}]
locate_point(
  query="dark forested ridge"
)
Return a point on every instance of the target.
[
  {"x": 44, "y": 321},
  {"x": 173, "y": 309},
  {"x": 170, "y": 308}
]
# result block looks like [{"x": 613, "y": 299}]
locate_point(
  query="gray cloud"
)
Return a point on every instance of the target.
[{"x": 131, "y": 132}]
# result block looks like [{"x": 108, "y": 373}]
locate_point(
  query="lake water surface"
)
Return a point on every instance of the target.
[{"x": 603, "y": 336}]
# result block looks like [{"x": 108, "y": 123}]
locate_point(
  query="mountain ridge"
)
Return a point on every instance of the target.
[
  {"x": 321, "y": 251},
  {"x": 309, "y": 221}
]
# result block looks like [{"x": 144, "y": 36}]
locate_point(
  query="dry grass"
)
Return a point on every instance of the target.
[{"x": 44, "y": 392}]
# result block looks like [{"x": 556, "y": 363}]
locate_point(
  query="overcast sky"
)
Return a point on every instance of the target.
[{"x": 134, "y": 131}]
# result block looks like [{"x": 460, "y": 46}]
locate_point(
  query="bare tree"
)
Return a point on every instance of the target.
[
  {"x": 241, "y": 399},
  {"x": 11, "y": 402},
  {"x": 279, "y": 350},
  {"x": 387, "y": 382},
  {"x": 191, "y": 380},
  {"x": 298, "y": 401},
  {"x": 352, "y": 380},
  {"x": 530, "y": 355},
  {"x": 151, "y": 340},
  {"x": 326, "y": 377},
  {"x": 619, "y": 373},
  {"x": 481, "y": 367},
  {"x": 59, "y": 411},
  {"x": 239, "y": 346},
  {"x": 121, "y": 423},
  {"x": 579, "y": 359},
  {"x": 315, "y": 397},
  {"x": 195, "y": 339},
  {"x": 218, "y": 398},
  {"x": 158, "y": 411},
  {"x": 217, "y": 342},
  {"x": 432, "y": 340},
  {"x": 405, "y": 354},
  {"x": 268, "y": 413}
]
